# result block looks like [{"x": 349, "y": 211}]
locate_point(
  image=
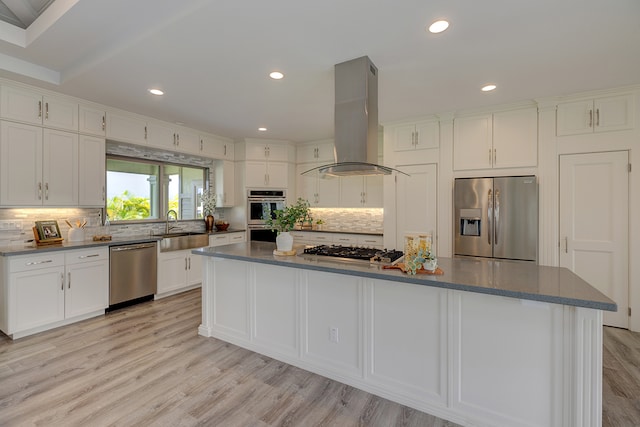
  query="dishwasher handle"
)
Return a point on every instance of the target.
[{"x": 132, "y": 247}]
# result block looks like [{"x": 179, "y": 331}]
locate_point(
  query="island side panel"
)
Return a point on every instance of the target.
[{"x": 504, "y": 359}]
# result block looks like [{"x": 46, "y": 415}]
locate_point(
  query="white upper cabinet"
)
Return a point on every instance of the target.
[
  {"x": 515, "y": 138},
  {"x": 321, "y": 193},
  {"x": 263, "y": 174},
  {"x": 216, "y": 148},
  {"x": 171, "y": 137},
  {"x": 125, "y": 127},
  {"x": 91, "y": 171},
  {"x": 595, "y": 115},
  {"x": 273, "y": 152},
  {"x": 92, "y": 121},
  {"x": 417, "y": 136},
  {"x": 361, "y": 192},
  {"x": 37, "y": 168},
  {"x": 317, "y": 152},
  {"x": 224, "y": 182},
  {"x": 32, "y": 107},
  {"x": 500, "y": 140}
]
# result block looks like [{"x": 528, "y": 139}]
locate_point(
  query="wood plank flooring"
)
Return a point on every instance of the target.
[{"x": 145, "y": 365}]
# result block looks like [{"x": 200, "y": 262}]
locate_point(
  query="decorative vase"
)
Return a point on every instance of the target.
[
  {"x": 284, "y": 241},
  {"x": 209, "y": 220}
]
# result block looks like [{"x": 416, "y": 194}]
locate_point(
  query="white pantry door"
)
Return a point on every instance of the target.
[
  {"x": 594, "y": 225},
  {"x": 416, "y": 201}
]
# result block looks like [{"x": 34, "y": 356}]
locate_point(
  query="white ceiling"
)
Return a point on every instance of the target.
[{"x": 212, "y": 58}]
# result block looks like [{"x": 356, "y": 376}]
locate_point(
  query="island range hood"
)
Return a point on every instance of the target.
[{"x": 356, "y": 122}]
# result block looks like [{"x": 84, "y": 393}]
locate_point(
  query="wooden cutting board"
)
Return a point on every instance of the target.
[{"x": 400, "y": 266}]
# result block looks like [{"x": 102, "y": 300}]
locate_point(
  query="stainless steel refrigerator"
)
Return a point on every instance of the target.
[{"x": 496, "y": 217}]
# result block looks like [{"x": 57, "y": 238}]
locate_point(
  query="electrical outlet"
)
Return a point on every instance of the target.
[{"x": 333, "y": 335}]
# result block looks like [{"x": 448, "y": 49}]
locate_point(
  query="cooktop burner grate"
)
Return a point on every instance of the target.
[{"x": 356, "y": 253}]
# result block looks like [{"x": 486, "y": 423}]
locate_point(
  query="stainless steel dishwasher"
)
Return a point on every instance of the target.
[{"x": 133, "y": 273}]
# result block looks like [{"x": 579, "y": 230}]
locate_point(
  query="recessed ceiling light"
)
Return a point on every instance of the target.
[
  {"x": 262, "y": 129},
  {"x": 488, "y": 88},
  {"x": 276, "y": 75},
  {"x": 438, "y": 26},
  {"x": 156, "y": 92}
]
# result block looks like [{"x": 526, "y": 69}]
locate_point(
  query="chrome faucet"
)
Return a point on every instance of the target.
[{"x": 175, "y": 216}]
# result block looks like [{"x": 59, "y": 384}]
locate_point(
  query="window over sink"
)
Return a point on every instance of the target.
[{"x": 139, "y": 189}]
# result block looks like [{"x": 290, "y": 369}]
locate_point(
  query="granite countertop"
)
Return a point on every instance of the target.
[
  {"x": 494, "y": 277},
  {"x": 31, "y": 248}
]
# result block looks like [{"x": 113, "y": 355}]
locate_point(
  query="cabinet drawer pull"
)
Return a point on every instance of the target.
[
  {"x": 88, "y": 256},
  {"x": 39, "y": 262}
]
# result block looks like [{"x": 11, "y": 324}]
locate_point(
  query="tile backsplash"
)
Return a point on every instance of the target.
[
  {"x": 361, "y": 220},
  {"x": 16, "y": 224}
]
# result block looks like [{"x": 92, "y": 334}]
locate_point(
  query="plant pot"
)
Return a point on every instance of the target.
[
  {"x": 209, "y": 220},
  {"x": 284, "y": 241}
]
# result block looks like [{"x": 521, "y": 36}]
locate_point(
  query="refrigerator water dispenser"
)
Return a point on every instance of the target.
[{"x": 470, "y": 222}]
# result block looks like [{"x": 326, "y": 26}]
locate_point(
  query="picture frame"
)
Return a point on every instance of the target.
[{"x": 48, "y": 231}]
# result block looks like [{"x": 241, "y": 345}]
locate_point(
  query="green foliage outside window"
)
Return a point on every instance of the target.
[{"x": 128, "y": 206}]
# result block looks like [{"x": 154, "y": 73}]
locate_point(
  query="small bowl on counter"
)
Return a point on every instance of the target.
[{"x": 222, "y": 226}]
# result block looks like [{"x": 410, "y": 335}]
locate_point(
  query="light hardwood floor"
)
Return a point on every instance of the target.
[{"x": 146, "y": 365}]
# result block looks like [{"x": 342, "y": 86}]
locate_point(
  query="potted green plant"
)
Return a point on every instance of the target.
[{"x": 284, "y": 220}]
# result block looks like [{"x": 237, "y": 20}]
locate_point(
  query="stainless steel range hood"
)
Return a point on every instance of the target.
[{"x": 356, "y": 122}]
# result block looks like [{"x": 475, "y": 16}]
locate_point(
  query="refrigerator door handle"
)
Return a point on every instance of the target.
[
  {"x": 496, "y": 213},
  {"x": 490, "y": 215}
]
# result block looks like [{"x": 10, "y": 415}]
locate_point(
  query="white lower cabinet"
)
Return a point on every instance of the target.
[
  {"x": 178, "y": 271},
  {"x": 52, "y": 289}
]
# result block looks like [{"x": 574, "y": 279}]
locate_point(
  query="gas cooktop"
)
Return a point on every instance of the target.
[{"x": 354, "y": 253}]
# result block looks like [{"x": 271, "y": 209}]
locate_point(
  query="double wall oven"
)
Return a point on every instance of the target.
[{"x": 260, "y": 204}]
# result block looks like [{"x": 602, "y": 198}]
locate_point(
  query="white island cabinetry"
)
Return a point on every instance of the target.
[{"x": 431, "y": 343}]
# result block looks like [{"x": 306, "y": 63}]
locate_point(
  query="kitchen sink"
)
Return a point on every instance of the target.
[{"x": 183, "y": 240}]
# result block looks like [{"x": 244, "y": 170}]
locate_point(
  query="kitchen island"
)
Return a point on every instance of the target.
[{"x": 487, "y": 343}]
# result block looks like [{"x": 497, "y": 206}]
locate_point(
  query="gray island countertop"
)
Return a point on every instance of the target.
[{"x": 502, "y": 278}]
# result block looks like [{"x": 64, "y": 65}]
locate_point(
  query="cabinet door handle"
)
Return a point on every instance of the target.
[
  {"x": 69, "y": 280},
  {"x": 39, "y": 191},
  {"x": 200, "y": 145},
  {"x": 103, "y": 193},
  {"x": 417, "y": 138},
  {"x": 566, "y": 245},
  {"x": 46, "y": 111},
  {"x": 495, "y": 156},
  {"x": 39, "y": 109},
  {"x": 597, "y": 117},
  {"x": 62, "y": 281},
  {"x": 145, "y": 132},
  {"x": 104, "y": 122},
  {"x": 39, "y": 262},
  {"x": 189, "y": 263},
  {"x": 185, "y": 263},
  {"x": 225, "y": 150},
  {"x": 177, "y": 139},
  {"x": 46, "y": 191},
  {"x": 590, "y": 118},
  {"x": 489, "y": 155}
]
